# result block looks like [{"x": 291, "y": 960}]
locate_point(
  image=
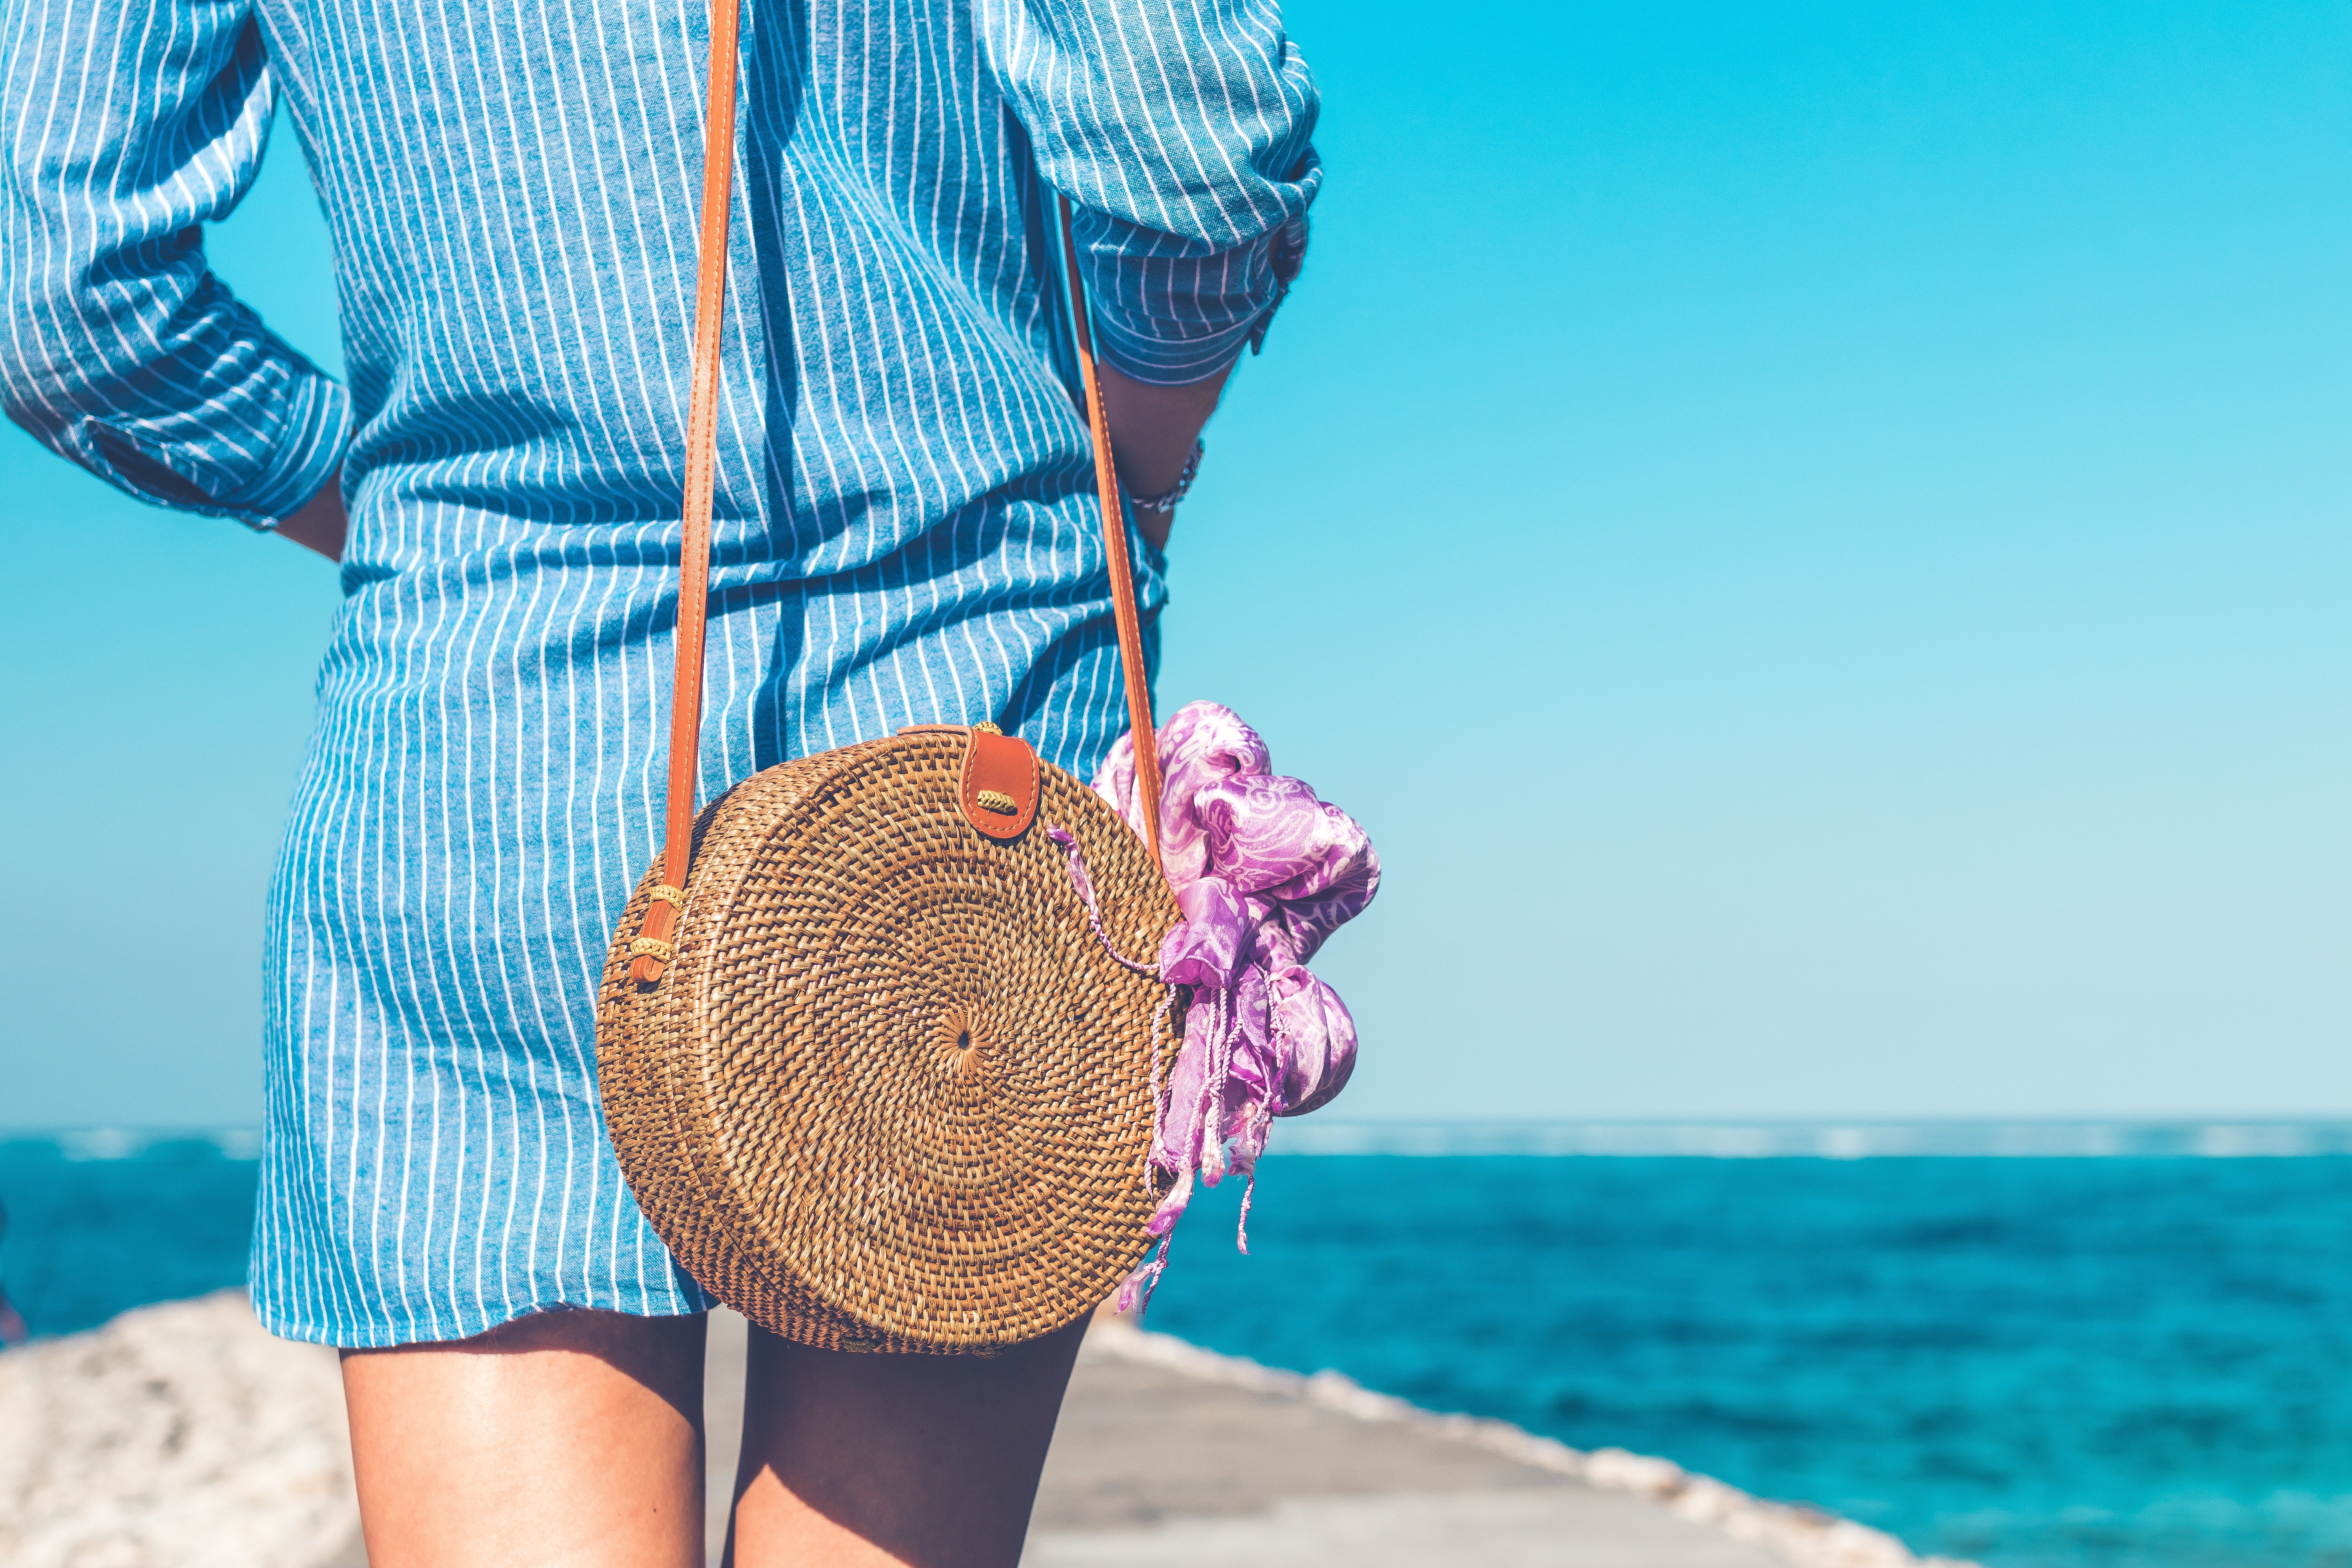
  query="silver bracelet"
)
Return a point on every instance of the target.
[{"x": 1166, "y": 500}]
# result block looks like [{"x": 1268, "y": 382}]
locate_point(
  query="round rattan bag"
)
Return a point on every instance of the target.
[
  {"x": 871, "y": 1069},
  {"x": 891, "y": 1091}
]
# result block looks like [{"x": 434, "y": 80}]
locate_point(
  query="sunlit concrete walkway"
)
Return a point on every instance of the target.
[{"x": 1152, "y": 1466}]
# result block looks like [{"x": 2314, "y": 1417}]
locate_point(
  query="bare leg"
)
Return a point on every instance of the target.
[
  {"x": 566, "y": 1438},
  {"x": 858, "y": 1461}
]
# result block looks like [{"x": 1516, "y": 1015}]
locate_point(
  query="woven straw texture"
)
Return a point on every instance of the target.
[{"x": 891, "y": 1094}]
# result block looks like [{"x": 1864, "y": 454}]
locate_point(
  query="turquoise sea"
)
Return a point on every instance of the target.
[{"x": 2034, "y": 1347}]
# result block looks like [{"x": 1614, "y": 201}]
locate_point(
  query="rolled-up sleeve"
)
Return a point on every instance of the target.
[
  {"x": 128, "y": 125},
  {"x": 1183, "y": 134}
]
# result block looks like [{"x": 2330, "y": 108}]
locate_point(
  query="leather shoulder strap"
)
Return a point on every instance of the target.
[
  {"x": 701, "y": 460},
  {"x": 1122, "y": 569},
  {"x": 701, "y": 457}
]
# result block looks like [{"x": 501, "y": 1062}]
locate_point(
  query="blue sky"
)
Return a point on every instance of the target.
[{"x": 1817, "y": 538}]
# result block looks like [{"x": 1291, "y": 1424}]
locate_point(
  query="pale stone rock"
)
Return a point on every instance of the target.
[
  {"x": 176, "y": 1436},
  {"x": 1617, "y": 1471}
]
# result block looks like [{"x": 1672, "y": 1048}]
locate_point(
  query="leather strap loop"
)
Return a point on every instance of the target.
[{"x": 653, "y": 948}]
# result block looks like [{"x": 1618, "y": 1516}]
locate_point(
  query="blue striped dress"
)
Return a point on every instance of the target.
[{"x": 904, "y": 497}]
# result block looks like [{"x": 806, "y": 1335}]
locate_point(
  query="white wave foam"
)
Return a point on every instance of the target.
[{"x": 136, "y": 1142}]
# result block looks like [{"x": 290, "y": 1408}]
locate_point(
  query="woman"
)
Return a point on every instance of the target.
[{"x": 904, "y": 535}]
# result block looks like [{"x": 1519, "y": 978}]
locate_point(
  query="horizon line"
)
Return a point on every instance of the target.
[{"x": 1837, "y": 1138}]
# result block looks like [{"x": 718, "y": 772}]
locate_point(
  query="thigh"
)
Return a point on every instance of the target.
[
  {"x": 856, "y": 1461},
  {"x": 570, "y": 1439}
]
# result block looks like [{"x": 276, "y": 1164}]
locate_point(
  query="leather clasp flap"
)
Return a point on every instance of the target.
[{"x": 998, "y": 791}]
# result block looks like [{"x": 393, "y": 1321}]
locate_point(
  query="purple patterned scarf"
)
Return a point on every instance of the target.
[{"x": 1263, "y": 873}]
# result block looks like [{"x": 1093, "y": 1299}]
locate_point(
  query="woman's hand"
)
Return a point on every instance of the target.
[
  {"x": 1152, "y": 429},
  {"x": 321, "y": 522}
]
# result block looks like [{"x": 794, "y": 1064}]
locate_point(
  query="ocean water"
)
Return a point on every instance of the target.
[
  {"x": 97, "y": 1223},
  {"x": 2142, "y": 1360}
]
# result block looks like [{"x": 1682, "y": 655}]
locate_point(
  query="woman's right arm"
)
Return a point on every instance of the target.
[
  {"x": 1183, "y": 134},
  {"x": 128, "y": 125}
]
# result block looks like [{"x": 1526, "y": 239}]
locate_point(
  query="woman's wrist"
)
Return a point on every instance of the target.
[
  {"x": 1153, "y": 428},
  {"x": 1167, "y": 499}
]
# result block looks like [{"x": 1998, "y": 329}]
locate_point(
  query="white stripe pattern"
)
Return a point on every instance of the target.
[{"x": 904, "y": 489}]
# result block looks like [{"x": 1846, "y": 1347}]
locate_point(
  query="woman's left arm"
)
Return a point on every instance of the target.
[{"x": 128, "y": 125}]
